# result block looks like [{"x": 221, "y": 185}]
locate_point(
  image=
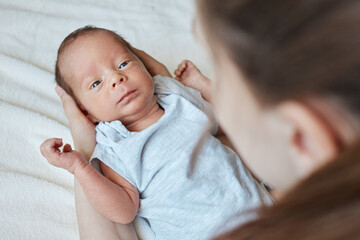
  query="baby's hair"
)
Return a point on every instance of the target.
[{"x": 70, "y": 39}]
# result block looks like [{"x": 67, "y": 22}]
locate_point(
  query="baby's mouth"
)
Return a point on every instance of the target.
[{"x": 126, "y": 95}]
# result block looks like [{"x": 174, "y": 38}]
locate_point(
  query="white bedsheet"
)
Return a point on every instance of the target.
[{"x": 36, "y": 199}]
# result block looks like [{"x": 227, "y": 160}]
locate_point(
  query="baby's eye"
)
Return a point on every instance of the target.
[
  {"x": 95, "y": 84},
  {"x": 123, "y": 65}
]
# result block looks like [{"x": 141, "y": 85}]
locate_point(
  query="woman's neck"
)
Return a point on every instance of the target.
[{"x": 151, "y": 117}]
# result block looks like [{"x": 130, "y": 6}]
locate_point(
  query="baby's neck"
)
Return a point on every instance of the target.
[{"x": 149, "y": 119}]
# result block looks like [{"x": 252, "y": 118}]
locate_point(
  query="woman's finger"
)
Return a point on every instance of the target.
[
  {"x": 146, "y": 59},
  {"x": 72, "y": 110},
  {"x": 151, "y": 64},
  {"x": 141, "y": 54},
  {"x": 70, "y": 107},
  {"x": 68, "y": 102}
]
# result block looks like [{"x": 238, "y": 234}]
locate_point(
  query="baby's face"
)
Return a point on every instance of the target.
[{"x": 110, "y": 82}]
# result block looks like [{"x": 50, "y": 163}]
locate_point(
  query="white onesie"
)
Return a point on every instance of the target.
[{"x": 182, "y": 197}]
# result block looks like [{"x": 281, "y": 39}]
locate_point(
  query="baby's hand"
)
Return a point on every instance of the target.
[
  {"x": 68, "y": 159},
  {"x": 189, "y": 75}
]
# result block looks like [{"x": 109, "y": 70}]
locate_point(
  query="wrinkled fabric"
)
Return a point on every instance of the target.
[{"x": 183, "y": 194}]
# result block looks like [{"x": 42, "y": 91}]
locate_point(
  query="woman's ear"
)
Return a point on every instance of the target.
[{"x": 312, "y": 141}]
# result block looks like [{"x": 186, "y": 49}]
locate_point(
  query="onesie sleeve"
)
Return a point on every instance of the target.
[
  {"x": 100, "y": 152},
  {"x": 106, "y": 155},
  {"x": 167, "y": 85}
]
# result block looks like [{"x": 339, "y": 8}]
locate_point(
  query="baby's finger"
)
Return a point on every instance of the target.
[
  {"x": 55, "y": 145},
  {"x": 180, "y": 69},
  {"x": 67, "y": 148},
  {"x": 57, "y": 142},
  {"x": 50, "y": 147},
  {"x": 177, "y": 72},
  {"x": 183, "y": 65},
  {"x": 50, "y": 143}
]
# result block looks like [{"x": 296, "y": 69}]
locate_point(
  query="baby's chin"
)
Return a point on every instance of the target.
[
  {"x": 96, "y": 120},
  {"x": 108, "y": 120}
]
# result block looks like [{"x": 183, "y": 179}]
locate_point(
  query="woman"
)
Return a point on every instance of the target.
[
  {"x": 286, "y": 92},
  {"x": 292, "y": 68}
]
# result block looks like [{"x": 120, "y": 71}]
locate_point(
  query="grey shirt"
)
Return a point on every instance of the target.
[{"x": 183, "y": 194}]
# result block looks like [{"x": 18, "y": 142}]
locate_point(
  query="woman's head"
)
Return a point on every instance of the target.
[{"x": 286, "y": 80}]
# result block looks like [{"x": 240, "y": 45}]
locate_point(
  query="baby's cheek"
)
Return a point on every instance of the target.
[
  {"x": 103, "y": 113},
  {"x": 95, "y": 112}
]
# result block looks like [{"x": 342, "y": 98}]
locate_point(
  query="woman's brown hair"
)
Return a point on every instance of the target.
[{"x": 293, "y": 49}]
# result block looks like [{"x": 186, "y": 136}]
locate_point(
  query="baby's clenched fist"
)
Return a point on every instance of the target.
[{"x": 68, "y": 159}]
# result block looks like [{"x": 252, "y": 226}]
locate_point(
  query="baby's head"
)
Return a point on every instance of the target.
[{"x": 100, "y": 70}]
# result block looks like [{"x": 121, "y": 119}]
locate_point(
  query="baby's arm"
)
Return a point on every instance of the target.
[
  {"x": 115, "y": 197},
  {"x": 189, "y": 75},
  {"x": 92, "y": 224}
]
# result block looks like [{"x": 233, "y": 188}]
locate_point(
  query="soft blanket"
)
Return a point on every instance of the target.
[{"x": 37, "y": 199}]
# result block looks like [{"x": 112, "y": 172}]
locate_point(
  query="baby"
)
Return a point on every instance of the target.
[{"x": 147, "y": 142}]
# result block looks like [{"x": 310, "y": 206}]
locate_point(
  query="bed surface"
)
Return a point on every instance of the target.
[{"x": 37, "y": 199}]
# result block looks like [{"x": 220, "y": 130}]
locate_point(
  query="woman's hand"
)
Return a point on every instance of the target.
[
  {"x": 152, "y": 65},
  {"x": 82, "y": 129}
]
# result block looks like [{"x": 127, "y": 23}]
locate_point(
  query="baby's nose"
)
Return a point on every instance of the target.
[{"x": 117, "y": 79}]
